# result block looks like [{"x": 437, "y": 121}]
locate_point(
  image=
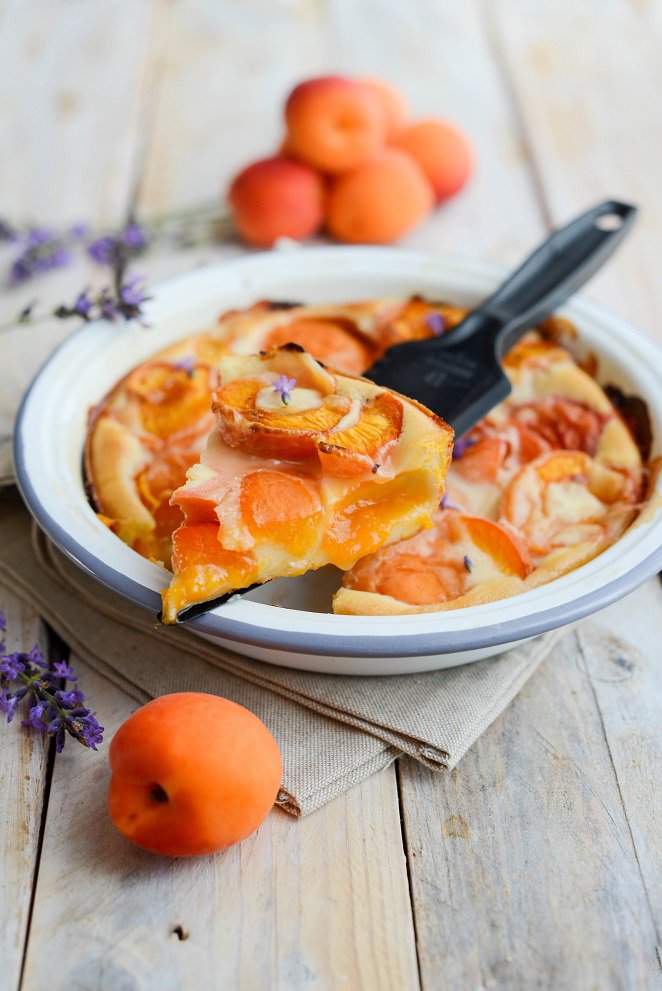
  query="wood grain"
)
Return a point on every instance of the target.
[
  {"x": 74, "y": 81},
  {"x": 620, "y": 653},
  {"x": 523, "y": 869},
  {"x": 22, "y": 778},
  {"x": 583, "y": 77},
  {"x": 220, "y": 104},
  {"x": 320, "y": 902}
]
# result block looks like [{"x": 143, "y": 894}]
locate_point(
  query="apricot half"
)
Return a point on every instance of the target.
[{"x": 192, "y": 773}]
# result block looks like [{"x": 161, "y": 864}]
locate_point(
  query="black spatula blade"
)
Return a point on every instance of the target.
[
  {"x": 458, "y": 375},
  {"x": 458, "y": 382}
]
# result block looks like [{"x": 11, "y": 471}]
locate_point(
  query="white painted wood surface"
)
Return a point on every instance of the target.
[{"x": 537, "y": 863}]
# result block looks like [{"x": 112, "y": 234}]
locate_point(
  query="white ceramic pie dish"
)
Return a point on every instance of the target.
[{"x": 284, "y": 622}]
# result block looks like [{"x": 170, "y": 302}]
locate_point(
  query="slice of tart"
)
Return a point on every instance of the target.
[
  {"x": 154, "y": 423},
  {"x": 306, "y": 467}
]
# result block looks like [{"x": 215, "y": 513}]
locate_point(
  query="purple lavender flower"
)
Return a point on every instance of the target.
[
  {"x": 436, "y": 323},
  {"x": 107, "y": 306},
  {"x": 36, "y": 656},
  {"x": 79, "y": 230},
  {"x": 11, "y": 665},
  {"x": 83, "y": 305},
  {"x": 284, "y": 385},
  {"x": 85, "y": 728},
  {"x": 132, "y": 294},
  {"x": 53, "y": 710},
  {"x": 36, "y": 717},
  {"x": 21, "y": 270},
  {"x": 62, "y": 670},
  {"x": 8, "y": 705},
  {"x": 185, "y": 365},
  {"x": 103, "y": 250},
  {"x": 3, "y": 622},
  {"x": 461, "y": 447},
  {"x": 134, "y": 236},
  {"x": 37, "y": 236},
  {"x": 447, "y": 503},
  {"x": 69, "y": 699},
  {"x": 42, "y": 252}
]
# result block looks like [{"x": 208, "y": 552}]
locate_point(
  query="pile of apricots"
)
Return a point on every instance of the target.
[{"x": 351, "y": 164}]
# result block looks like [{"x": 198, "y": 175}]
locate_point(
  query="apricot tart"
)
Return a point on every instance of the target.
[
  {"x": 145, "y": 434},
  {"x": 549, "y": 479},
  {"x": 305, "y": 467}
]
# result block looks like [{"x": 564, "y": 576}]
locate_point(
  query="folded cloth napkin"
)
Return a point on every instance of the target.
[{"x": 333, "y": 731}]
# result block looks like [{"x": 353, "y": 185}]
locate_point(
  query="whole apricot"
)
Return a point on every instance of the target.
[
  {"x": 392, "y": 103},
  {"x": 442, "y": 151},
  {"x": 334, "y": 123},
  {"x": 380, "y": 201},
  {"x": 192, "y": 773},
  {"x": 277, "y": 197}
]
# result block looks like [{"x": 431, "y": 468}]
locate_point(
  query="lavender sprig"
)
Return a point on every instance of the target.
[
  {"x": 52, "y": 708},
  {"x": 41, "y": 249},
  {"x": 125, "y": 302}
]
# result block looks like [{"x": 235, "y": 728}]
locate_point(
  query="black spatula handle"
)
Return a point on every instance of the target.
[{"x": 555, "y": 270}]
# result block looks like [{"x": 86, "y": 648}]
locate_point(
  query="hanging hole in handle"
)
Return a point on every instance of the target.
[{"x": 609, "y": 222}]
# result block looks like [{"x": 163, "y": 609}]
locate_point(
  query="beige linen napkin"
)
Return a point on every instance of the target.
[{"x": 333, "y": 731}]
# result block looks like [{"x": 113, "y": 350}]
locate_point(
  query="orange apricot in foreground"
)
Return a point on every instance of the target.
[
  {"x": 380, "y": 201},
  {"x": 392, "y": 103},
  {"x": 276, "y": 197},
  {"x": 192, "y": 773},
  {"x": 442, "y": 151},
  {"x": 333, "y": 123}
]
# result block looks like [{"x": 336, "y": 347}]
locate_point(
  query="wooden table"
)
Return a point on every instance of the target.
[{"x": 538, "y": 862}]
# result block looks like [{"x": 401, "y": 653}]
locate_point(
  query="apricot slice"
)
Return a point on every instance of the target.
[
  {"x": 480, "y": 461},
  {"x": 565, "y": 498},
  {"x": 347, "y": 433},
  {"x": 443, "y": 563},
  {"x": 356, "y": 450},
  {"x": 283, "y": 508},
  {"x": 333, "y": 341},
  {"x": 171, "y": 399},
  {"x": 563, "y": 423},
  {"x": 203, "y": 568}
]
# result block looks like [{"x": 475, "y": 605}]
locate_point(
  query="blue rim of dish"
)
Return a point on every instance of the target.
[{"x": 412, "y": 645}]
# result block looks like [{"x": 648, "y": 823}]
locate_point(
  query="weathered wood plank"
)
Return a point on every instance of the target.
[
  {"x": 438, "y": 55},
  {"x": 322, "y": 901},
  {"x": 74, "y": 81},
  {"x": 584, "y": 77},
  {"x": 23, "y": 771},
  {"x": 205, "y": 131},
  {"x": 620, "y": 653},
  {"x": 522, "y": 865}
]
